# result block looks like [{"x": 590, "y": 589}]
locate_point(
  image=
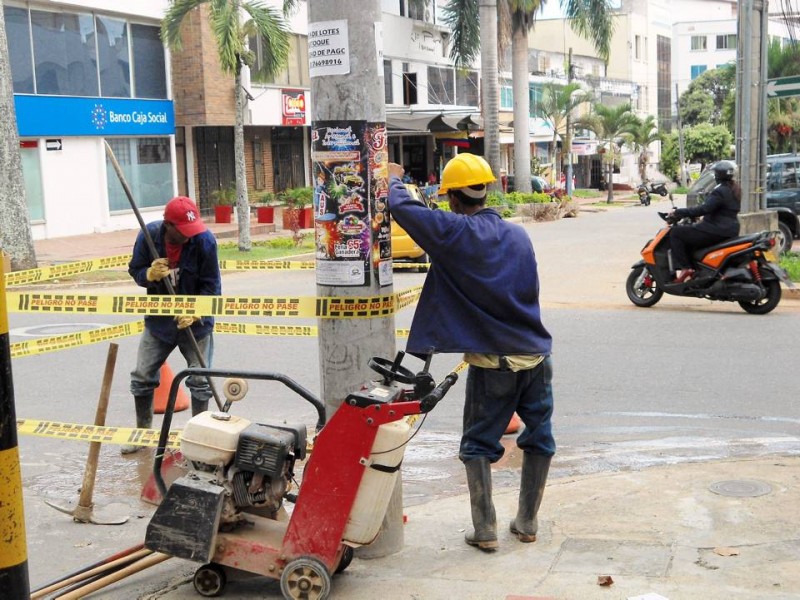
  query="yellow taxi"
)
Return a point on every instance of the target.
[{"x": 404, "y": 249}]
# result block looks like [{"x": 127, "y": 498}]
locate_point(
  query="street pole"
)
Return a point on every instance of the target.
[
  {"x": 750, "y": 96},
  {"x": 490, "y": 101},
  {"x": 568, "y": 136},
  {"x": 13, "y": 546},
  {"x": 349, "y": 152},
  {"x": 681, "y": 153}
]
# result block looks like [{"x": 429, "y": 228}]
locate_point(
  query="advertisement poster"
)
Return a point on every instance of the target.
[
  {"x": 378, "y": 161},
  {"x": 341, "y": 202}
]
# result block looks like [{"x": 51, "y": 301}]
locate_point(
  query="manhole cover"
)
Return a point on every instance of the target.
[{"x": 741, "y": 488}]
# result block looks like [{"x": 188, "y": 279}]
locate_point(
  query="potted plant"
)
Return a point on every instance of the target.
[
  {"x": 224, "y": 200},
  {"x": 265, "y": 209},
  {"x": 299, "y": 213}
]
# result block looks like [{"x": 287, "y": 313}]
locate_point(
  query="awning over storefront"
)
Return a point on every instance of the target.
[{"x": 432, "y": 123}]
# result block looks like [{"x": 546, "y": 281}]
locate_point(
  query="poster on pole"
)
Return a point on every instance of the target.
[
  {"x": 378, "y": 163},
  {"x": 341, "y": 203},
  {"x": 328, "y": 48}
]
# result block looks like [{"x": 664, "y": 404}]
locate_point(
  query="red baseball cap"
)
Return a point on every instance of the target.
[{"x": 183, "y": 214}]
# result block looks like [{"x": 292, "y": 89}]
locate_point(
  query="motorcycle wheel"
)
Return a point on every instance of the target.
[
  {"x": 767, "y": 303},
  {"x": 644, "y": 295}
]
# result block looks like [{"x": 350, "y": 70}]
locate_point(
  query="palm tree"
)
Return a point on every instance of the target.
[
  {"x": 232, "y": 22},
  {"x": 589, "y": 18},
  {"x": 610, "y": 125},
  {"x": 643, "y": 133},
  {"x": 557, "y": 104},
  {"x": 15, "y": 228}
]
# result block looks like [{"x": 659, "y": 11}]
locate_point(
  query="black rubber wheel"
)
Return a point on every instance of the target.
[
  {"x": 422, "y": 259},
  {"x": 209, "y": 580},
  {"x": 767, "y": 303},
  {"x": 305, "y": 578},
  {"x": 785, "y": 239},
  {"x": 347, "y": 558},
  {"x": 643, "y": 295}
]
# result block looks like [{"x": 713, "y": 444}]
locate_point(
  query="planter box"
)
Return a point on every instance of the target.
[
  {"x": 222, "y": 214},
  {"x": 302, "y": 218},
  {"x": 265, "y": 214}
]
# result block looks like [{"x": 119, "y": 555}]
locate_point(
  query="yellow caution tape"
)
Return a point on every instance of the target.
[
  {"x": 95, "y": 433},
  {"x": 66, "y": 270},
  {"x": 267, "y": 265},
  {"x": 73, "y": 340},
  {"x": 222, "y": 306}
]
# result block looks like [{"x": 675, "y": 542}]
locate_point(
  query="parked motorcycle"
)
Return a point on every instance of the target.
[
  {"x": 739, "y": 270},
  {"x": 647, "y": 188}
]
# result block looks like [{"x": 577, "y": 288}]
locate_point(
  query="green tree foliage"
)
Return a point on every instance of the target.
[
  {"x": 707, "y": 96},
  {"x": 643, "y": 132},
  {"x": 783, "y": 131},
  {"x": 707, "y": 143}
]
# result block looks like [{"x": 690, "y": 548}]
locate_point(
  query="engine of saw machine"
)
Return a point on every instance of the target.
[
  {"x": 253, "y": 462},
  {"x": 236, "y": 467}
]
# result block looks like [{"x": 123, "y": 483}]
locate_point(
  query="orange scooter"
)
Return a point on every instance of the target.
[{"x": 739, "y": 270}]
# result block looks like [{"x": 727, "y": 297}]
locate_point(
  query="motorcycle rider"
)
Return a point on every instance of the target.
[{"x": 719, "y": 211}]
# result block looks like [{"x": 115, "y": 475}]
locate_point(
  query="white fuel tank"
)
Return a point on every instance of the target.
[
  {"x": 212, "y": 437},
  {"x": 376, "y": 487}
]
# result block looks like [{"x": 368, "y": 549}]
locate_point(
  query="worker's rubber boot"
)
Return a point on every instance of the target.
[
  {"x": 531, "y": 489},
  {"x": 144, "y": 419},
  {"x": 484, "y": 521},
  {"x": 199, "y": 406}
]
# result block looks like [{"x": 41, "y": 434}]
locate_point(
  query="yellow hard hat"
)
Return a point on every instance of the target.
[{"x": 465, "y": 170}]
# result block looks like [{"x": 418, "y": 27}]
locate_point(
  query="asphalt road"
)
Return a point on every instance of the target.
[{"x": 686, "y": 380}]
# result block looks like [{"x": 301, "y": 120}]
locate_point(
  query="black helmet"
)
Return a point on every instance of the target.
[{"x": 723, "y": 170}]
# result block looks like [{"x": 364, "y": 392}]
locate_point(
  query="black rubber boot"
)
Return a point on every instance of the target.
[
  {"x": 144, "y": 419},
  {"x": 531, "y": 489},
  {"x": 484, "y": 521},
  {"x": 199, "y": 406}
]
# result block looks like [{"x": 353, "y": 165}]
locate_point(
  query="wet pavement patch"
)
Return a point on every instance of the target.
[
  {"x": 741, "y": 488},
  {"x": 613, "y": 557}
]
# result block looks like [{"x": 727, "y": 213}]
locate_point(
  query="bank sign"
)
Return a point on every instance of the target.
[{"x": 69, "y": 115}]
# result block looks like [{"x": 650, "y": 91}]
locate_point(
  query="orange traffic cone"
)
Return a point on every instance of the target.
[
  {"x": 513, "y": 425},
  {"x": 162, "y": 393}
]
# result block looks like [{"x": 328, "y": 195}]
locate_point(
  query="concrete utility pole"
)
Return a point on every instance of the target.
[
  {"x": 350, "y": 160},
  {"x": 681, "y": 153},
  {"x": 751, "y": 105},
  {"x": 490, "y": 88}
]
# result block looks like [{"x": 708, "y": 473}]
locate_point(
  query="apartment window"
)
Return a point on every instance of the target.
[
  {"x": 147, "y": 165},
  {"x": 440, "y": 85},
  {"x": 637, "y": 47},
  {"x": 416, "y": 12},
  {"x": 467, "y": 89},
  {"x": 536, "y": 94},
  {"x": 388, "y": 97},
  {"x": 698, "y": 70},
  {"x": 726, "y": 42},
  {"x": 506, "y": 98},
  {"x": 410, "y": 89},
  {"x": 296, "y": 71},
  {"x": 699, "y": 42}
]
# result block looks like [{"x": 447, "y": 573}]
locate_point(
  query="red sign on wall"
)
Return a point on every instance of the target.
[{"x": 293, "y": 107}]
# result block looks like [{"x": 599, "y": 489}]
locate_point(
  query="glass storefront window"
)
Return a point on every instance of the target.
[
  {"x": 147, "y": 165},
  {"x": 32, "y": 175},
  {"x": 64, "y": 54},
  {"x": 114, "y": 60},
  {"x": 150, "y": 76},
  {"x": 18, "y": 32}
]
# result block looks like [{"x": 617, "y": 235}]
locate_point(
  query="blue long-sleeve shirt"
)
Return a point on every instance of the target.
[
  {"x": 482, "y": 291},
  {"x": 198, "y": 275}
]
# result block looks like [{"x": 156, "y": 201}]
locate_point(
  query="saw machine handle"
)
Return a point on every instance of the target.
[{"x": 431, "y": 400}]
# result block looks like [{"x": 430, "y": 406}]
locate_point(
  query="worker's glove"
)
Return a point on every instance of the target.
[
  {"x": 158, "y": 269},
  {"x": 186, "y": 321}
]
